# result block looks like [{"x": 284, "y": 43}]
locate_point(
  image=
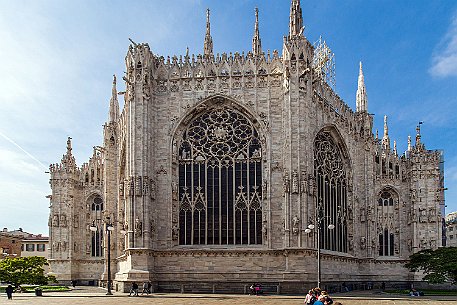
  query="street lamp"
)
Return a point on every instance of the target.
[
  {"x": 108, "y": 228},
  {"x": 309, "y": 229}
]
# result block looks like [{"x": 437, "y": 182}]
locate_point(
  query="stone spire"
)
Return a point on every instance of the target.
[
  {"x": 418, "y": 134},
  {"x": 113, "y": 104},
  {"x": 296, "y": 19},
  {"x": 409, "y": 143},
  {"x": 395, "y": 148},
  {"x": 361, "y": 96},
  {"x": 68, "y": 160},
  {"x": 208, "y": 47},
  {"x": 385, "y": 139},
  {"x": 256, "y": 43}
]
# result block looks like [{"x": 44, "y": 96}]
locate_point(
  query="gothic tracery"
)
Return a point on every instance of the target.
[
  {"x": 220, "y": 180},
  {"x": 331, "y": 192}
]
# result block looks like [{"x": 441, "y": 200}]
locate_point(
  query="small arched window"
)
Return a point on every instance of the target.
[
  {"x": 386, "y": 199},
  {"x": 97, "y": 204}
]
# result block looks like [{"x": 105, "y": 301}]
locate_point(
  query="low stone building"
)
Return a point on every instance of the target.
[
  {"x": 24, "y": 244},
  {"x": 223, "y": 170},
  {"x": 10, "y": 244},
  {"x": 35, "y": 245},
  {"x": 451, "y": 229}
]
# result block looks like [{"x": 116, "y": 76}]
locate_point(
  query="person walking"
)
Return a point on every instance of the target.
[
  {"x": 134, "y": 289},
  {"x": 145, "y": 288},
  {"x": 9, "y": 292}
]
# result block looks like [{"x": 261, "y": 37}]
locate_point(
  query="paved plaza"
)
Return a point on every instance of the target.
[{"x": 95, "y": 296}]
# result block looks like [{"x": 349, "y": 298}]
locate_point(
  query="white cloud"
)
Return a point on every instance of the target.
[
  {"x": 19, "y": 164},
  {"x": 444, "y": 61}
]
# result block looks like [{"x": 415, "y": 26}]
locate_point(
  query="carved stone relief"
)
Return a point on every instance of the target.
[
  {"x": 294, "y": 182},
  {"x": 286, "y": 182},
  {"x": 295, "y": 225}
]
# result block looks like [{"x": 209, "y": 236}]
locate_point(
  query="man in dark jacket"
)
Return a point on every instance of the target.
[{"x": 9, "y": 292}]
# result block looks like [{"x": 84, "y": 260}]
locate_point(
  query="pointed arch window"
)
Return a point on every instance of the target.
[
  {"x": 97, "y": 204},
  {"x": 387, "y": 222},
  {"x": 331, "y": 182},
  {"x": 386, "y": 243},
  {"x": 220, "y": 178},
  {"x": 96, "y": 207}
]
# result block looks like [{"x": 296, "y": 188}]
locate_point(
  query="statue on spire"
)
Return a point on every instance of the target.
[
  {"x": 113, "y": 104},
  {"x": 256, "y": 43},
  {"x": 385, "y": 139},
  {"x": 208, "y": 46},
  {"x": 361, "y": 95},
  {"x": 419, "y": 145},
  {"x": 69, "y": 146},
  {"x": 296, "y": 19},
  {"x": 68, "y": 161}
]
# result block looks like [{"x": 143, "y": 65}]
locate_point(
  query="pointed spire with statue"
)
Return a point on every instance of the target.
[
  {"x": 296, "y": 19},
  {"x": 208, "y": 46},
  {"x": 385, "y": 139},
  {"x": 361, "y": 96},
  {"x": 256, "y": 42},
  {"x": 113, "y": 104}
]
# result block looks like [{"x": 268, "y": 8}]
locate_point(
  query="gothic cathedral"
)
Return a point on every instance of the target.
[{"x": 223, "y": 170}]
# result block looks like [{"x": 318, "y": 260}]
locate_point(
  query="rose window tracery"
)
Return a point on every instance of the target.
[{"x": 220, "y": 178}]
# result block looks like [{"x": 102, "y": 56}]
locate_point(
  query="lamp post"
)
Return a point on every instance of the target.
[
  {"x": 319, "y": 218},
  {"x": 108, "y": 228}
]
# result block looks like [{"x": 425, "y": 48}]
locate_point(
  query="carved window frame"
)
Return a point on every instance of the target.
[
  {"x": 388, "y": 222},
  {"x": 96, "y": 206},
  {"x": 220, "y": 142},
  {"x": 331, "y": 174}
]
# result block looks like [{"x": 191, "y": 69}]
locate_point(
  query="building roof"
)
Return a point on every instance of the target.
[
  {"x": 19, "y": 233},
  {"x": 451, "y": 218}
]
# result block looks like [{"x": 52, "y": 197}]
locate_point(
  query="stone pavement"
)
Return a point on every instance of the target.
[{"x": 96, "y": 296}]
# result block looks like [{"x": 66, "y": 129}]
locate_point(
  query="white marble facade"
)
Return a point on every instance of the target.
[{"x": 216, "y": 165}]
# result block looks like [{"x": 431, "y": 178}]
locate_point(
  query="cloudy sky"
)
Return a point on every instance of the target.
[{"x": 57, "y": 59}]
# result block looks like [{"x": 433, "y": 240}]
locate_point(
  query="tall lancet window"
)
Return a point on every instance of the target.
[
  {"x": 96, "y": 207},
  {"x": 220, "y": 181},
  {"x": 331, "y": 193},
  {"x": 387, "y": 222}
]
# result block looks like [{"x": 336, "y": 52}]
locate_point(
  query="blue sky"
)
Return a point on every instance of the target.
[{"x": 57, "y": 59}]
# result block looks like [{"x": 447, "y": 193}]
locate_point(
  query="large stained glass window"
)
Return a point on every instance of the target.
[
  {"x": 331, "y": 197},
  {"x": 220, "y": 180}
]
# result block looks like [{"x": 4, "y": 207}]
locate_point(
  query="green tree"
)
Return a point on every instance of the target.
[
  {"x": 439, "y": 265},
  {"x": 24, "y": 270}
]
